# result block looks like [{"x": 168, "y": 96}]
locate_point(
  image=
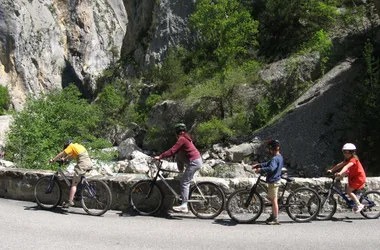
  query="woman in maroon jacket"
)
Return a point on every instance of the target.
[{"x": 186, "y": 154}]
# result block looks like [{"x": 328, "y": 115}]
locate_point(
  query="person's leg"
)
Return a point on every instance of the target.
[
  {"x": 353, "y": 196},
  {"x": 272, "y": 196},
  {"x": 188, "y": 177},
  {"x": 78, "y": 172}
]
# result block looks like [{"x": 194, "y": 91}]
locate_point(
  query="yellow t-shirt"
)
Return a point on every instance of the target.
[{"x": 75, "y": 149}]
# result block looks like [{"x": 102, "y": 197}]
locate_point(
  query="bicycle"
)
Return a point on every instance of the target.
[
  {"x": 246, "y": 206},
  {"x": 95, "y": 195},
  {"x": 206, "y": 199},
  {"x": 370, "y": 199}
]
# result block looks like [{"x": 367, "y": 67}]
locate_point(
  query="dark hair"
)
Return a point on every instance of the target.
[
  {"x": 273, "y": 144},
  {"x": 179, "y": 128},
  {"x": 68, "y": 141}
]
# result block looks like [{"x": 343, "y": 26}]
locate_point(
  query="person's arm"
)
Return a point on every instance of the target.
[
  {"x": 262, "y": 165},
  {"x": 59, "y": 156},
  {"x": 269, "y": 166},
  {"x": 345, "y": 168},
  {"x": 336, "y": 167},
  {"x": 173, "y": 150}
]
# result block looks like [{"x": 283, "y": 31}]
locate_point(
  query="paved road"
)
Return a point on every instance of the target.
[{"x": 24, "y": 226}]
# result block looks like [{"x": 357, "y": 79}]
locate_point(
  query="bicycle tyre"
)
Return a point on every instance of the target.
[
  {"x": 371, "y": 202},
  {"x": 47, "y": 200},
  {"x": 214, "y": 201},
  {"x": 303, "y": 204},
  {"x": 236, "y": 206},
  {"x": 96, "y": 197},
  {"x": 328, "y": 208},
  {"x": 141, "y": 203}
]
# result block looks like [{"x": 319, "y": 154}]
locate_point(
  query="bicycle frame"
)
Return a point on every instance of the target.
[
  {"x": 159, "y": 175},
  {"x": 342, "y": 194},
  {"x": 77, "y": 195},
  {"x": 259, "y": 182}
]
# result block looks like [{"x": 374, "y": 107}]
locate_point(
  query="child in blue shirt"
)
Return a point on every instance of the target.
[{"x": 272, "y": 169}]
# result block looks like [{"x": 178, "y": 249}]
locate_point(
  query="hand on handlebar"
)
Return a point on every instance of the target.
[{"x": 257, "y": 168}]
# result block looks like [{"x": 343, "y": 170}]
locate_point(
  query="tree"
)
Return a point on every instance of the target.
[
  {"x": 38, "y": 131},
  {"x": 224, "y": 31}
]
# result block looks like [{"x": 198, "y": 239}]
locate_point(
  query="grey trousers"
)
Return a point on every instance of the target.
[{"x": 187, "y": 177}]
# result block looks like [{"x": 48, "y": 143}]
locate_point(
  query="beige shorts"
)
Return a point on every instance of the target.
[
  {"x": 84, "y": 164},
  {"x": 273, "y": 190}
]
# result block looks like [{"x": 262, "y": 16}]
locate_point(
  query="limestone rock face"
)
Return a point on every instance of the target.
[{"x": 47, "y": 44}]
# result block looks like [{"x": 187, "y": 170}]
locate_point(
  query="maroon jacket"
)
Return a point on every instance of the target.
[{"x": 185, "y": 144}]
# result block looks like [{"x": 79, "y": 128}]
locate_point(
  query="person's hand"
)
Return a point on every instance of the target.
[
  {"x": 51, "y": 160},
  {"x": 255, "y": 166},
  {"x": 338, "y": 174},
  {"x": 328, "y": 171},
  {"x": 257, "y": 170},
  {"x": 157, "y": 157}
]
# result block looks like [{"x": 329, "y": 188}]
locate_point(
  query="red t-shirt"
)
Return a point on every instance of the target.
[
  {"x": 356, "y": 174},
  {"x": 185, "y": 144}
]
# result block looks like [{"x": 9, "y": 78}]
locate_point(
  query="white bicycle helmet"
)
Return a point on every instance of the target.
[{"x": 349, "y": 146}]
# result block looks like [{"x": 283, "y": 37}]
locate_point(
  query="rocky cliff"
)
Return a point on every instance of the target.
[{"x": 47, "y": 44}]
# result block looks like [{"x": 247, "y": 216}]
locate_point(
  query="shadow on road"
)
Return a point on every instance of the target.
[
  {"x": 57, "y": 210},
  {"x": 345, "y": 219},
  {"x": 228, "y": 222},
  {"x": 168, "y": 214}
]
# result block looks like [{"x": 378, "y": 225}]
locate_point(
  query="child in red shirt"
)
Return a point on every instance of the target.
[{"x": 352, "y": 168}]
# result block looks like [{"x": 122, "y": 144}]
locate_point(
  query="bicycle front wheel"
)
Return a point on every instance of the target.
[
  {"x": 371, "y": 202},
  {"x": 206, "y": 200},
  {"x": 303, "y": 204},
  {"x": 47, "y": 192},
  {"x": 237, "y": 209},
  {"x": 96, "y": 197},
  {"x": 146, "y": 197},
  {"x": 328, "y": 207}
]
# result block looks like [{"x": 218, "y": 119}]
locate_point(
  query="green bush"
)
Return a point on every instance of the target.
[
  {"x": 4, "y": 99},
  {"x": 212, "y": 132},
  {"x": 39, "y": 130}
]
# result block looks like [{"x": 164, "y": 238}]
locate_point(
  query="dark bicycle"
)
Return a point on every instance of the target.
[
  {"x": 246, "y": 205},
  {"x": 95, "y": 196},
  {"x": 370, "y": 199},
  {"x": 206, "y": 199}
]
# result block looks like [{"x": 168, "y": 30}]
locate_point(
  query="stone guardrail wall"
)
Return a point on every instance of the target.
[{"x": 19, "y": 184}]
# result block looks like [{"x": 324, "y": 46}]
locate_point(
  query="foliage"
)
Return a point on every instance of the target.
[
  {"x": 286, "y": 25},
  {"x": 4, "y": 99},
  {"x": 38, "y": 131},
  {"x": 225, "y": 30},
  {"x": 320, "y": 43},
  {"x": 211, "y": 132},
  {"x": 366, "y": 108}
]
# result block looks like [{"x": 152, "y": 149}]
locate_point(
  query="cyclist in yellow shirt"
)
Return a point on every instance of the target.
[{"x": 79, "y": 153}]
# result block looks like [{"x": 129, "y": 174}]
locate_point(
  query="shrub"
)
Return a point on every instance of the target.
[{"x": 38, "y": 131}]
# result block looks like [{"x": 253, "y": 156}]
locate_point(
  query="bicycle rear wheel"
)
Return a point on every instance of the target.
[
  {"x": 47, "y": 192},
  {"x": 211, "y": 200},
  {"x": 146, "y": 197},
  {"x": 96, "y": 197},
  {"x": 328, "y": 207},
  {"x": 237, "y": 210},
  {"x": 303, "y": 204},
  {"x": 371, "y": 202}
]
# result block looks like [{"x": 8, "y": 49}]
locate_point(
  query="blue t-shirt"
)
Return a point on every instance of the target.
[{"x": 272, "y": 169}]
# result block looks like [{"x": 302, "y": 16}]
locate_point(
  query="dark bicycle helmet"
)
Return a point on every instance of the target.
[
  {"x": 67, "y": 143},
  {"x": 273, "y": 144},
  {"x": 180, "y": 127}
]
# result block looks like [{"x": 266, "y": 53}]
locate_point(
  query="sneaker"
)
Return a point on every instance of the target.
[
  {"x": 67, "y": 204},
  {"x": 358, "y": 208},
  {"x": 274, "y": 221},
  {"x": 181, "y": 208},
  {"x": 269, "y": 219}
]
